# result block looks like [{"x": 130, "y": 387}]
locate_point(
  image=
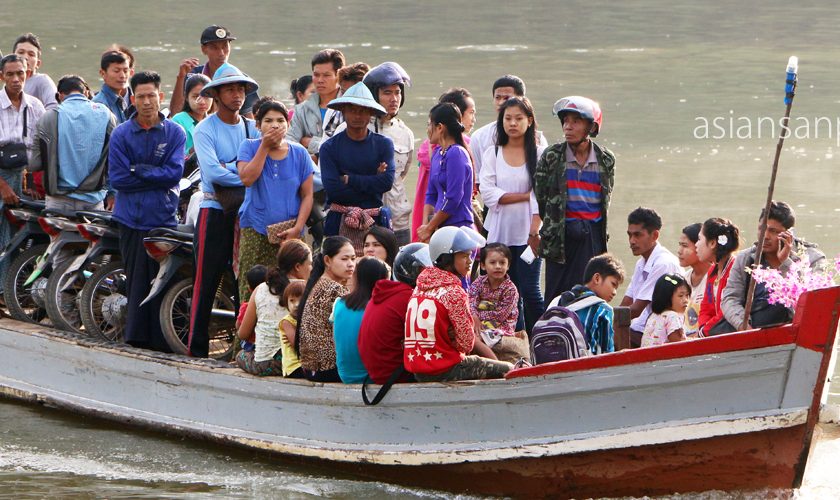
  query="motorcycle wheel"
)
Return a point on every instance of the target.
[
  {"x": 175, "y": 320},
  {"x": 63, "y": 307},
  {"x": 103, "y": 303},
  {"x": 19, "y": 299}
]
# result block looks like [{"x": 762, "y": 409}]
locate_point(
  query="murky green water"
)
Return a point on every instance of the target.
[{"x": 655, "y": 66}]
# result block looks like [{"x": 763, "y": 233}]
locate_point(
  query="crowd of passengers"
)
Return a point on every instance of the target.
[{"x": 447, "y": 287}]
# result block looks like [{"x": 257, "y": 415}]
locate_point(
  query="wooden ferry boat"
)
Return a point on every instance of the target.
[{"x": 731, "y": 412}]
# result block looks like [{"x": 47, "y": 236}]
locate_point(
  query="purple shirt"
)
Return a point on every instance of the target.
[{"x": 451, "y": 185}]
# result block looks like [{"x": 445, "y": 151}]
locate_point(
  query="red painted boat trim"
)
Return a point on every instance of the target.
[
  {"x": 814, "y": 312},
  {"x": 748, "y": 461}
]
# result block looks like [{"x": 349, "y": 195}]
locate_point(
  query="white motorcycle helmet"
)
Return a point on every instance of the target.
[{"x": 450, "y": 240}]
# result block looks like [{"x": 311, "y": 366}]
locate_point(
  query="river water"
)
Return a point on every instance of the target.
[{"x": 660, "y": 69}]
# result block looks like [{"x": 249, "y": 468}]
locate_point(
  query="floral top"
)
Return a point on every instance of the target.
[
  {"x": 497, "y": 309},
  {"x": 317, "y": 347},
  {"x": 659, "y": 326}
]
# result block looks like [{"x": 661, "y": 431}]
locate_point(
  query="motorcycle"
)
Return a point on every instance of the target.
[
  {"x": 66, "y": 283},
  {"x": 173, "y": 250},
  {"x": 28, "y": 242}
]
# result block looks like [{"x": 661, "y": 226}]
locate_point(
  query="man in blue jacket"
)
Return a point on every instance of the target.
[{"x": 145, "y": 163}]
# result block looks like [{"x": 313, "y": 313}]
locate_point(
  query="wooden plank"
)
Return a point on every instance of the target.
[{"x": 621, "y": 327}]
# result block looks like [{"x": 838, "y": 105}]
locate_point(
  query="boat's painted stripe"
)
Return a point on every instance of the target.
[{"x": 675, "y": 431}]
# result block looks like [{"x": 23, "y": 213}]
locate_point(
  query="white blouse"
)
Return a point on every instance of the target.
[{"x": 510, "y": 223}]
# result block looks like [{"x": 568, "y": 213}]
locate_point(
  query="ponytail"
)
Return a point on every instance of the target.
[{"x": 724, "y": 233}]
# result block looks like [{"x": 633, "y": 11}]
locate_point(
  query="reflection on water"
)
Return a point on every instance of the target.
[{"x": 44, "y": 452}]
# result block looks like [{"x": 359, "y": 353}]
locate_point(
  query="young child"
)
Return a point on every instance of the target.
[
  {"x": 288, "y": 327},
  {"x": 603, "y": 275},
  {"x": 494, "y": 299},
  {"x": 255, "y": 276},
  {"x": 671, "y": 296},
  {"x": 695, "y": 276}
]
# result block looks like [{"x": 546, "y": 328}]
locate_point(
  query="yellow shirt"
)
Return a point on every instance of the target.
[{"x": 291, "y": 362}]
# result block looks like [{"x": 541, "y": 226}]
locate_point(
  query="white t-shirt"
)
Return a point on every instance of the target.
[
  {"x": 692, "y": 312},
  {"x": 661, "y": 261},
  {"x": 267, "y": 330},
  {"x": 510, "y": 223},
  {"x": 485, "y": 137}
]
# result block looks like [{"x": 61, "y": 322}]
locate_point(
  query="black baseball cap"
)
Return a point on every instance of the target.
[{"x": 215, "y": 33}]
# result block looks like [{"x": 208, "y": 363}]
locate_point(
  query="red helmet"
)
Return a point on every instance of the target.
[{"x": 583, "y": 106}]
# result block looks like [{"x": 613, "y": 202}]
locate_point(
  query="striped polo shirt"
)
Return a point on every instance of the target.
[{"x": 583, "y": 187}]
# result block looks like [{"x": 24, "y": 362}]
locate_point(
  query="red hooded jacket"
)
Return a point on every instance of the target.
[
  {"x": 383, "y": 329},
  {"x": 438, "y": 324}
]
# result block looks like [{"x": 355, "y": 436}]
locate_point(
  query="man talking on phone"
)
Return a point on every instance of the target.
[{"x": 781, "y": 249}]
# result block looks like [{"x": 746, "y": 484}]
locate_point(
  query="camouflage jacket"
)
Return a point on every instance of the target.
[{"x": 550, "y": 190}]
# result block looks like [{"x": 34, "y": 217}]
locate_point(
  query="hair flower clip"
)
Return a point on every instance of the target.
[{"x": 722, "y": 240}]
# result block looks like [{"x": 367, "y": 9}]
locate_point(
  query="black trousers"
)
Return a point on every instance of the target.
[
  {"x": 583, "y": 240},
  {"x": 142, "y": 327},
  {"x": 213, "y": 250}
]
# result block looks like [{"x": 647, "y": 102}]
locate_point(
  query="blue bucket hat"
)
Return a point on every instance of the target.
[
  {"x": 359, "y": 95},
  {"x": 228, "y": 73}
]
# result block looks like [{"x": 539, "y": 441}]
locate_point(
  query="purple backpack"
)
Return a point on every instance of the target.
[{"x": 557, "y": 336}]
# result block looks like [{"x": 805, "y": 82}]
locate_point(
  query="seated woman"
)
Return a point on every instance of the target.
[
  {"x": 347, "y": 319},
  {"x": 278, "y": 178},
  {"x": 450, "y": 190},
  {"x": 332, "y": 269},
  {"x": 381, "y": 242},
  {"x": 266, "y": 309},
  {"x": 440, "y": 337},
  {"x": 717, "y": 242}
]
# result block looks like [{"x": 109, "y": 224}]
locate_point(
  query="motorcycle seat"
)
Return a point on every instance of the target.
[{"x": 174, "y": 233}]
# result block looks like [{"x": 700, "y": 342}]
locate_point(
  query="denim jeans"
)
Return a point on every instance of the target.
[{"x": 526, "y": 277}]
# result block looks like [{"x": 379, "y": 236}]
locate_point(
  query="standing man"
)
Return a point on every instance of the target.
[
  {"x": 216, "y": 140},
  {"x": 38, "y": 85},
  {"x": 73, "y": 149},
  {"x": 504, "y": 88},
  {"x": 307, "y": 123},
  {"x": 643, "y": 226},
  {"x": 387, "y": 83},
  {"x": 357, "y": 168},
  {"x": 19, "y": 115},
  {"x": 215, "y": 45},
  {"x": 573, "y": 184},
  {"x": 146, "y": 161},
  {"x": 115, "y": 72}
]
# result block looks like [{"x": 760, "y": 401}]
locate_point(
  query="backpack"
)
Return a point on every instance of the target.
[{"x": 559, "y": 335}]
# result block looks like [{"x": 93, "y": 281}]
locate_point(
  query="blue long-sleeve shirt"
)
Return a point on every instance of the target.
[
  {"x": 359, "y": 160},
  {"x": 217, "y": 145},
  {"x": 144, "y": 166},
  {"x": 451, "y": 185},
  {"x": 114, "y": 102}
]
